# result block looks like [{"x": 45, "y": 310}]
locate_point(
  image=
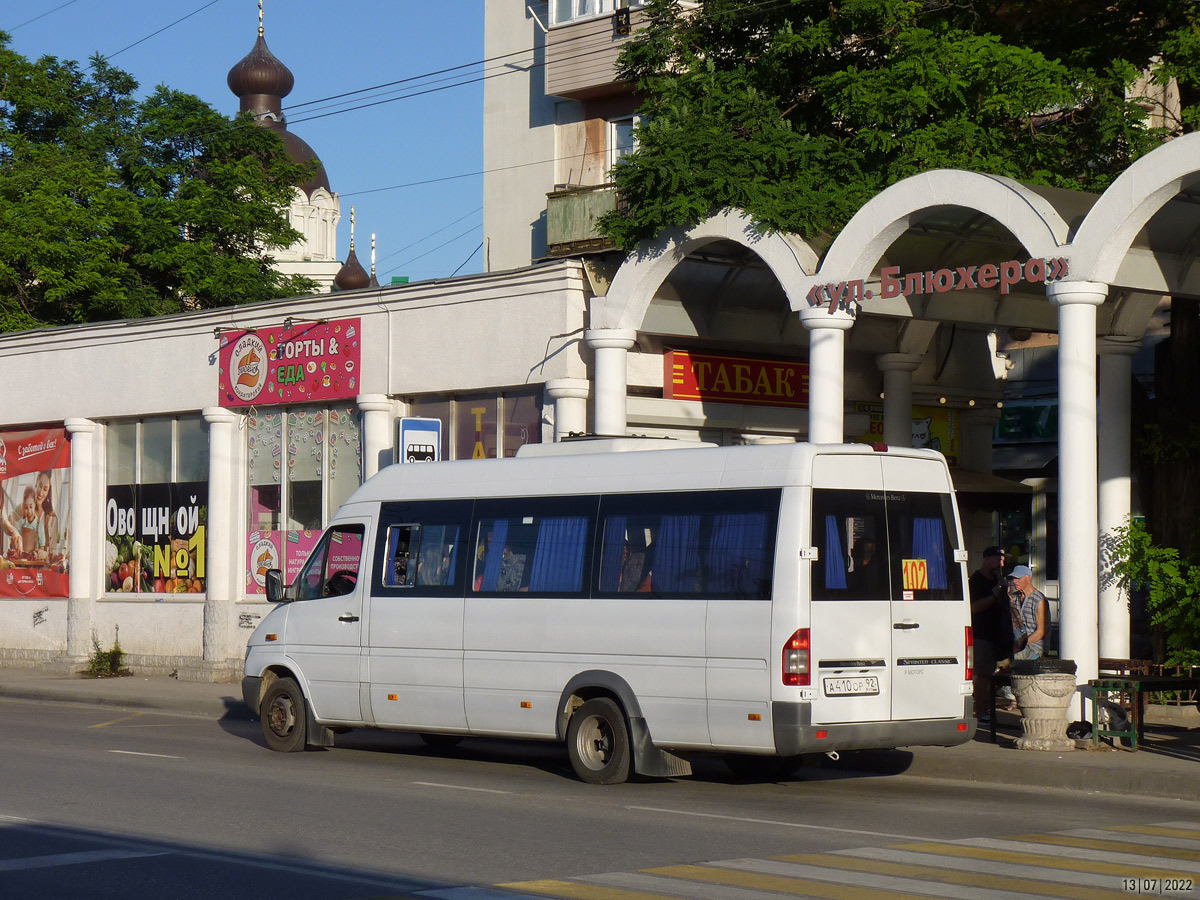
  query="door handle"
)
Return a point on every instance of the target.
[
  {"x": 903, "y": 626},
  {"x": 347, "y": 617}
]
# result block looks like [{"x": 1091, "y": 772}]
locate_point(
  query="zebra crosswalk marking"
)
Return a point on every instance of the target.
[
  {"x": 1136, "y": 849},
  {"x": 781, "y": 884},
  {"x": 1168, "y": 831},
  {"x": 1026, "y": 884},
  {"x": 1078, "y": 864},
  {"x": 578, "y": 891},
  {"x": 1141, "y": 840},
  {"x": 982, "y": 866},
  {"x": 1025, "y": 857}
]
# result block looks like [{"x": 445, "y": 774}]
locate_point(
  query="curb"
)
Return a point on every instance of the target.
[{"x": 229, "y": 707}]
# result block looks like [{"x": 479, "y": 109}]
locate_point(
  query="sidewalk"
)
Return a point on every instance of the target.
[{"x": 1166, "y": 766}]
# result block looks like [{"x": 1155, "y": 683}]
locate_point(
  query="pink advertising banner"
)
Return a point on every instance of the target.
[
  {"x": 35, "y": 516},
  {"x": 311, "y": 361}
]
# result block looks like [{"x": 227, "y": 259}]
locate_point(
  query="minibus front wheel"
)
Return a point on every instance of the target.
[
  {"x": 283, "y": 716},
  {"x": 598, "y": 742}
]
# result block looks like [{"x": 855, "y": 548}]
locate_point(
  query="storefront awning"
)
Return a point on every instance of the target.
[
  {"x": 968, "y": 482},
  {"x": 1028, "y": 458}
]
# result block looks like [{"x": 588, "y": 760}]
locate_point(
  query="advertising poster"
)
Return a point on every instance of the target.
[
  {"x": 35, "y": 476},
  {"x": 933, "y": 428},
  {"x": 156, "y": 538},
  {"x": 287, "y": 551},
  {"x": 308, "y": 362}
]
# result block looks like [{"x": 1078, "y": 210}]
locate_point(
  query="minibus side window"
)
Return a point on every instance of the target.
[
  {"x": 715, "y": 545},
  {"x": 332, "y": 568},
  {"x": 537, "y": 546},
  {"x": 421, "y": 548}
]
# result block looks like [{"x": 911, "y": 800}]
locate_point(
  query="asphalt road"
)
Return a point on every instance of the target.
[{"x": 102, "y": 803}]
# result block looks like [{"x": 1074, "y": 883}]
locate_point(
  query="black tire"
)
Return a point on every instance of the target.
[
  {"x": 441, "y": 741},
  {"x": 762, "y": 768},
  {"x": 282, "y": 713},
  {"x": 598, "y": 742}
]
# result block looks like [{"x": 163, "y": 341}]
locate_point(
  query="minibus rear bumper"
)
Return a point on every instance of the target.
[{"x": 795, "y": 733}]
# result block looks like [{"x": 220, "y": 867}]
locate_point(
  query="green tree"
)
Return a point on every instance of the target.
[
  {"x": 117, "y": 207},
  {"x": 798, "y": 111}
]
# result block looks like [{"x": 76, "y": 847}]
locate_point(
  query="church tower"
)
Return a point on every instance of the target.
[{"x": 260, "y": 81}]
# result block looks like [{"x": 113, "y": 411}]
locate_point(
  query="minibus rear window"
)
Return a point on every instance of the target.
[{"x": 876, "y": 545}]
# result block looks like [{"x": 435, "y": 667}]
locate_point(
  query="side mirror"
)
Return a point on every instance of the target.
[{"x": 274, "y": 586}]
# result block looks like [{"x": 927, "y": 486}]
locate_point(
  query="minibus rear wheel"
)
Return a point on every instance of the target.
[
  {"x": 598, "y": 742},
  {"x": 283, "y": 716}
]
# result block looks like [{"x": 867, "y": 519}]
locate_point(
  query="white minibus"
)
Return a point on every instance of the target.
[{"x": 641, "y": 604}]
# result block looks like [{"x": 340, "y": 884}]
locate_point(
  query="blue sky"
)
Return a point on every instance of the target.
[{"x": 422, "y": 231}]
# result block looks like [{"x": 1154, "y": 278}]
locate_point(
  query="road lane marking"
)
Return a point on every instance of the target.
[
  {"x": 459, "y": 787},
  {"x": 680, "y": 812},
  {"x": 116, "y": 721},
  {"x": 71, "y": 859},
  {"x": 136, "y": 753}
]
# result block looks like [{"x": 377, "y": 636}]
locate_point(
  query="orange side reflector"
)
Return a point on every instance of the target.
[
  {"x": 393, "y": 696},
  {"x": 821, "y": 735},
  {"x": 754, "y": 717},
  {"x": 525, "y": 704},
  {"x": 272, "y": 637}
]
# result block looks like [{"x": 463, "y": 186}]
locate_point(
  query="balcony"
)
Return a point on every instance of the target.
[
  {"x": 571, "y": 216},
  {"x": 581, "y": 57}
]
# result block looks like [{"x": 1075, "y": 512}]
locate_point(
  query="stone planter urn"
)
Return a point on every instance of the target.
[{"x": 1044, "y": 689}]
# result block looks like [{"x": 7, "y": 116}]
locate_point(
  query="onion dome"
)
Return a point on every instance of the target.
[
  {"x": 351, "y": 276},
  {"x": 261, "y": 81}
]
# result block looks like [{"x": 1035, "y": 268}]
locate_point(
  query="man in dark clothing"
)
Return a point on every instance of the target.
[{"x": 991, "y": 624}]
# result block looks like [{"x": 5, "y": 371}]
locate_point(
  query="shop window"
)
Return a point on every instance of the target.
[
  {"x": 522, "y": 422},
  {"x": 302, "y": 463},
  {"x": 475, "y": 428},
  {"x": 156, "y": 506},
  {"x": 469, "y": 424}
]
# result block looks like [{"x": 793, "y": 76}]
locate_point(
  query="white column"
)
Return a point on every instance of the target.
[
  {"x": 224, "y": 539},
  {"x": 1078, "y": 543},
  {"x": 826, "y": 373},
  {"x": 569, "y": 396},
  {"x": 1114, "y": 504},
  {"x": 979, "y": 426},
  {"x": 610, "y": 346},
  {"x": 377, "y": 416},
  {"x": 897, "y": 371},
  {"x": 85, "y": 517}
]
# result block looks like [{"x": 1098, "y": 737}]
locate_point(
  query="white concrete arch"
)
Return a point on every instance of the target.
[
  {"x": 1109, "y": 229},
  {"x": 887, "y": 215},
  {"x": 640, "y": 276}
]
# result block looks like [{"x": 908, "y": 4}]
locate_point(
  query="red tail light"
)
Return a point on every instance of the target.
[
  {"x": 970, "y": 654},
  {"x": 795, "y": 659}
]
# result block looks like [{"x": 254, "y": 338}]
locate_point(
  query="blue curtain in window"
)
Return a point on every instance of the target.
[
  {"x": 835, "y": 556},
  {"x": 612, "y": 553},
  {"x": 495, "y": 555},
  {"x": 452, "y": 538},
  {"x": 676, "y": 555},
  {"x": 558, "y": 555},
  {"x": 735, "y": 555},
  {"x": 929, "y": 544}
]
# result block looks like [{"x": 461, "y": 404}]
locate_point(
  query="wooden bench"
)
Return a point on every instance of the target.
[{"x": 1137, "y": 687}]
